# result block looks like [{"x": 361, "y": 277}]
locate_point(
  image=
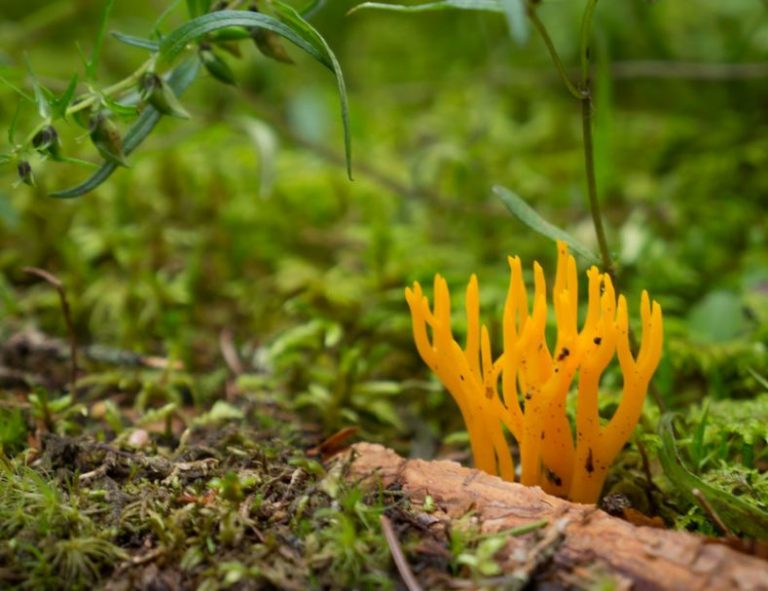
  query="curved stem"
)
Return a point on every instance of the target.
[
  {"x": 123, "y": 85},
  {"x": 542, "y": 30},
  {"x": 589, "y": 148},
  {"x": 589, "y": 165}
]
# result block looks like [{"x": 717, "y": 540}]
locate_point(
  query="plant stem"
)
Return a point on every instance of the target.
[
  {"x": 589, "y": 165},
  {"x": 583, "y": 94},
  {"x": 589, "y": 147},
  {"x": 542, "y": 30},
  {"x": 116, "y": 88}
]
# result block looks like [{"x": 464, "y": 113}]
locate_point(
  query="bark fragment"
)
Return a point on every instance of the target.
[{"x": 584, "y": 545}]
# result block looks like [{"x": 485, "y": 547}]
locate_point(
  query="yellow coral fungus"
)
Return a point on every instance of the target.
[{"x": 535, "y": 381}]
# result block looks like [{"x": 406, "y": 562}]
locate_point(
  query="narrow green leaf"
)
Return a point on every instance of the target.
[
  {"x": 139, "y": 42},
  {"x": 290, "y": 16},
  {"x": 43, "y": 107},
  {"x": 179, "y": 81},
  {"x": 123, "y": 110},
  {"x": 177, "y": 41},
  {"x": 93, "y": 61},
  {"x": 312, "y": 8},
  {"x": 517, "y": 19},
  {"x": 198, "y": 7},
  {"x": 737, "y": 514},
  {"x": 483, "y": 5},
  {"x": 59, "y": 104},
  {"x": 290, "y": 26},
  {"x": 14, "y": 124},
  {"x": 531, "y": 218},
  {"x": 163, "y": 16},
  {"x": 16, "y": 89}
]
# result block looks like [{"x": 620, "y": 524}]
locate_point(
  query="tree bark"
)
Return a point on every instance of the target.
[{"x": 580, "y": 547}]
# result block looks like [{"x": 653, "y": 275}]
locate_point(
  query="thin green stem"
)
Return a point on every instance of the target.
[
  {"x": 584, "y": 96},
  {"x": 589, "y": 148},
  {"x": 589, "y": 166},
  {"x": 542, "y": 30},
  {"x": 116, "y": 88},
  {"x": 586, "y": 33}
]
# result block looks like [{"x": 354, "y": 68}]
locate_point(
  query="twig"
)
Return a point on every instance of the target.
[
  {"x": 711, "y": 513},
  {"x": 397, "y": 555},
  {"x": 54, "y": 281},
  {"x": 648, "y": 476},
  {"x": 229, "y": 353}
]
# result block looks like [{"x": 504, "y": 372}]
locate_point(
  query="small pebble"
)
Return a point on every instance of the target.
[{"x": 138, "y": 439}]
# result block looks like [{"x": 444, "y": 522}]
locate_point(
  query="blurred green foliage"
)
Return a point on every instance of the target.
[{"x": 243, "y": 219}]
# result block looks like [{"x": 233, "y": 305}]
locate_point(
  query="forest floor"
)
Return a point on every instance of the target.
[{"x": 244, "y": 496}]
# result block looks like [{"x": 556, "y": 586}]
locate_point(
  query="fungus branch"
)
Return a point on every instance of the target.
[{"x": 535, "y": 382}]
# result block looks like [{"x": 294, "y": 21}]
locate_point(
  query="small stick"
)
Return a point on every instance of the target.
[
  {"x": 397, "y": 555},
  {"x": 229, "y": 353},
  {"x": 711, "y": 513},
  {"x": 54, "y": 281},
  {"x": 648, "y": 476}
]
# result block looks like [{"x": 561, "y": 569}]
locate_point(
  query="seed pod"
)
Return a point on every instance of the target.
[
  {"x": 269, "y": 43},
  {"x": 216, "y": 66},
  {"x": 46, "y": 141},
  {"x": 25, "y": 173},
  {"x": 157, "y": 93},
  {"x": 106, "y": 137}
]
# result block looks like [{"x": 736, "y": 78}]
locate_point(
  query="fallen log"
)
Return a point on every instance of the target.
[{"x": 581, "y": 547}]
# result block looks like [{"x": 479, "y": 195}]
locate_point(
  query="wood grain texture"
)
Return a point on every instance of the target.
[{"x": 581, "y": 546}]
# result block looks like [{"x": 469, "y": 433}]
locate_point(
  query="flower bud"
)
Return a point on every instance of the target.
[
  {"x": 25, "y": 173},
  {"x": 106, "y": 137},
  {"x": 216, "y": 66},
  {"x": 157, "y": 93},
  {"x": 46, "y": 141},
  {"x": 269, "y": 43}
]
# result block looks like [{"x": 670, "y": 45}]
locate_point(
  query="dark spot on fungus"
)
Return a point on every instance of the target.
[
  {"x": 528, "y": 395},
  {"x": 563, "y": 354},
  {"x": 553, "y": 477},
  {"x": 542, "y": 435},
  {"x": 597, "y": 340},
  {"x": 488, "y": 392},
  {"x": 461, "y": 377},
  {"x": 557, "y": 369},
  {"x": 590, "y": 466}
]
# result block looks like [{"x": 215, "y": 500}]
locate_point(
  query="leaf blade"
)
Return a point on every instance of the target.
[
  {"x": 290, "y": 25},
  {"x": 481, "y": 5},
  {"x": 517, "y": 20},
  {"x": 139, "y": 42},
  {"x": 531, "y": 218}
]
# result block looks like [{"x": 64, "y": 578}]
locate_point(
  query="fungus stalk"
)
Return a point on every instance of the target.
[{"x": 535, "y": 381}]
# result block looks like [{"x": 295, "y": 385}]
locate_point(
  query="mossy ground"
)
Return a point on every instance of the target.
[{"x": 222, "y": 239}]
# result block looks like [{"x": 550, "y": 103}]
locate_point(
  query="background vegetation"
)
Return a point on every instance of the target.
[{"x": 243, "y": 220}]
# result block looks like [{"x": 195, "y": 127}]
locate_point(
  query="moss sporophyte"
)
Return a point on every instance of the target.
[{"x": 535, "y": 382}]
